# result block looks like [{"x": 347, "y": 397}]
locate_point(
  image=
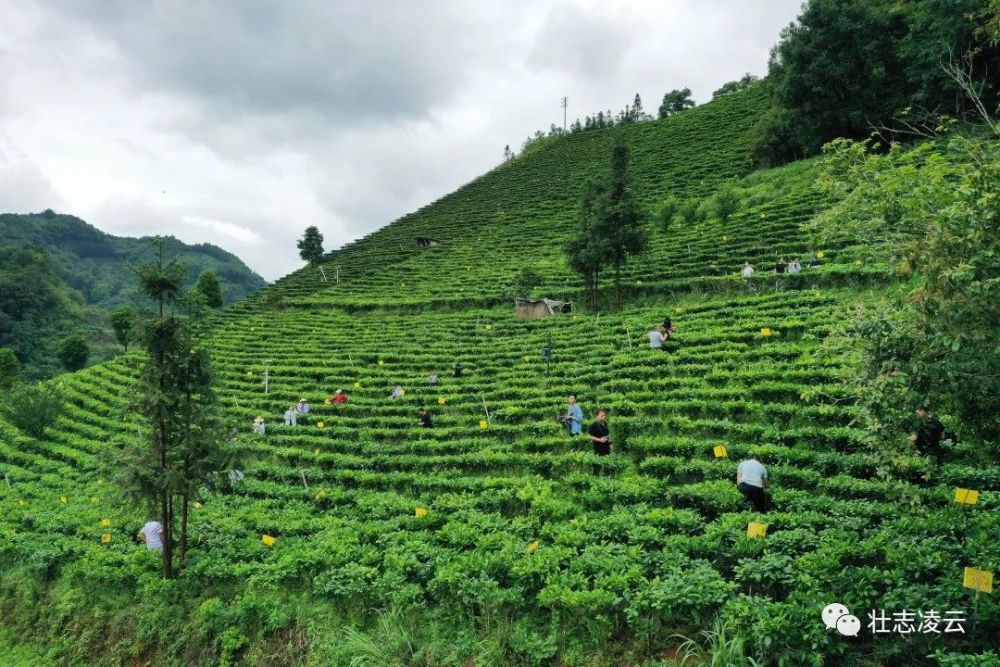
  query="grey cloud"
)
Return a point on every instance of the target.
[
  {"x": 24, "y": 188},
  {"x": 352, "y": 62},
  {"x": 584, "y": 44},
  {"x": 240, "y": 122}
]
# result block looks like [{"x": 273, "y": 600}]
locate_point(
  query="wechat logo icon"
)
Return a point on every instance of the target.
[{"x": 838, "y": 616}]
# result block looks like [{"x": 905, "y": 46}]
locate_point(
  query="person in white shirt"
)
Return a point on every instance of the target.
[
  {"x": 656, "y": 339},
  {"x": 258, "y": 426},
  {"x": 152, "y": 535},
  {"x": 794, "y": 266},
  {"x": 751, "y": 480},
  {"x": 747, "y": 271},
  {"x": 292, "y": 415}
]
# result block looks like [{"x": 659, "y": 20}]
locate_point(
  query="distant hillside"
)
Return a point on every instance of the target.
[
  {"x": 60, "y": 275},
  {"x": 94, "y": 263}
]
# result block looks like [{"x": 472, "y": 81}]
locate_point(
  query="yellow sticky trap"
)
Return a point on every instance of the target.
[
  {"x": 420, "y": 512},
  {"x": 966, "y": 496},
  {"x": 94, "y": 500},
  {"x": 357, "y": 385},
  {"x": 381, "y": 362},
  {"x": 442, "y": 400},
  {"x": 105, "y": 523},
  {"x": 820, "y": 254},
  {"x": 106, "y": 538},
  {"x": 720, "y": 451},
  {"x": 527, "y": 358},
  {"x": 320, "y": 495},
  {"x": 765, "y": 331},
  {"x": 63, "y": 499},
  {"x": 320, "y": 424},
  {"x": 249, "y": 374},
  {"x": 253, "y": 328},
  {"x": 100, "y": 482},
  {"x": 198, "y": 505},
  {"x": 725, "y": 238},
  {"x": 267, "y": 540},
  {"x": 533, "y": 547},
  {"x": 978, "y": 580},
  {"x": 489, "y": 326},
  {"x": 857, "y": 262},
  {"x": 483, "y": 424},
  {"x": 638, "y": 283},
  {"x": 317, "y": 451},
  {"x": 756, "y": 529},
  {"x": 22, "y": 503}
]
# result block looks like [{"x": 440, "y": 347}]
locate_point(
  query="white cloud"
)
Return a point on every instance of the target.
[{"x": 242, "y": 122}]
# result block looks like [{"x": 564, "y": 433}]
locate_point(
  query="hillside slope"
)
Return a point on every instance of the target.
[
  {"x": 492, "y": 537},
  {"x": 94, "y": 263}
]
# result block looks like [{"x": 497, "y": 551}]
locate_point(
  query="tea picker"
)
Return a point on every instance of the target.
[{"x": 547, "y": 356}]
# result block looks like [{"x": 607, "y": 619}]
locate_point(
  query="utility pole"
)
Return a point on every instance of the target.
[{"x": 565, "y": 103}]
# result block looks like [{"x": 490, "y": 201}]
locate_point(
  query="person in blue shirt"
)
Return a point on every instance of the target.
[{"x": 574, "y": 416}]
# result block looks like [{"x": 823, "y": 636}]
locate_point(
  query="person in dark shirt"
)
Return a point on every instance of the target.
[
  {"x": 779, "y": 267},
  {"x": 669, "y": 328},
  {"x": 926, "y": 434},
  {"x": 459, "y": 370},
  {"x": 599, "y": 434},
  {"x": 425, "y": 418},
  {"x": 813, "y": 260}
]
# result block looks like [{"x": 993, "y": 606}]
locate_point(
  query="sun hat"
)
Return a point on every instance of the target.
[
  {"x": 258, "y": 420},
  {"x": 303, "y": 400}
]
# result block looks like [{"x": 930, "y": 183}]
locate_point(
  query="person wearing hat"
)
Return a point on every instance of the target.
[
  {"x": 292, "y": 415},
  {"x": 258, "y": 426},
  {"x": 303, "y": 409},
  {"x": 397, "y": 391}
]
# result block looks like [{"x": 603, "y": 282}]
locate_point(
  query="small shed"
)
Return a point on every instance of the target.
[
  {"x": 532, "y": 309},
  {"x": 426, "y": 242}
]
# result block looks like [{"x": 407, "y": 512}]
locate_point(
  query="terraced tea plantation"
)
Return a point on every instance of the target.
[{"x": 493, "y": 537}]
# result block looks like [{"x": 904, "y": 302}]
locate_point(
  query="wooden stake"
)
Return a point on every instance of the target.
[
  {"x": 303, "y": 473},
  {"x": 487, "y": 410}
]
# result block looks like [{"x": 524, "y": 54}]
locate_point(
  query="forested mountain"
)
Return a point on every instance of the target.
[
  {"x": 96, "y": 263},
  {"x": 60, "y": 276}
]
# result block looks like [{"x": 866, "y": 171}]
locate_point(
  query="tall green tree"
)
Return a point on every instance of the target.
[
  {"x": 10, "y": 368},
  {"x": 311, "y": 245},
  {"x": 74, "y": 352},
  {"x": 621, "y": 220},
  {"x": 584, "y": 252},
  {"x": 186, "y": 445},
  {"x": 675, "y": 101},
  {"x": 209, "y": 289},
  {"x": 848, "y": 66},
  {"x": 123, "y": 321}
]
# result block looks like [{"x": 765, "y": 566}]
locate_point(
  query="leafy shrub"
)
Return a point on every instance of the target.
[{"x": 33, "y": 407}]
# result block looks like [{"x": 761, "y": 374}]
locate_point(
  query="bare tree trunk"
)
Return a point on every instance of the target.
[
  {"x": 182, "y": 550},
  {"x": 618, "y": 286}
]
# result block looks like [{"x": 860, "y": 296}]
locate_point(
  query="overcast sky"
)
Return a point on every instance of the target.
[{"x": 241, "y": 122}]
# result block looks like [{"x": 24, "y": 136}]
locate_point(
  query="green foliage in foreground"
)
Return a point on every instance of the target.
[{"x": 940, "y": 205}]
